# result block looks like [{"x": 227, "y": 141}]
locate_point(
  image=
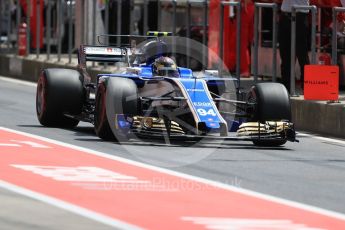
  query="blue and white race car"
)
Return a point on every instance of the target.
[{"x": 154, "y": 98}]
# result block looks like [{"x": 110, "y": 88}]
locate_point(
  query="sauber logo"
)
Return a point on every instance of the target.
[{"x": 102, "y": 50}]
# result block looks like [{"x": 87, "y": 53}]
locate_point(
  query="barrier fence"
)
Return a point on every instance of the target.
[
  {"x": 48, "y": 28},
  {"x": 18, "y": 18},
  {"x": 61, "y": 21},
  {"x": 293, "y": 41},
  {"x": 336, "y": 11},
  {"x": 59, "y": 32},
  {"x": 204, "y": 5},
  {"x": 238, "y": 37},
  {"x": 173, "y": 21},
  {"x": 38, "y": 28},
  {"x": 28, "y": 23},
  {"x": 258, "y": 7}
]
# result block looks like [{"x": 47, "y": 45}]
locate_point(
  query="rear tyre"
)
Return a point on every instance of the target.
[
  {"x": 59, "y": 91},
  {"x": 272, "y": 104}
]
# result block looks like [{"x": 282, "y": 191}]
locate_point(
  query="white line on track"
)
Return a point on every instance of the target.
[
  {"x": 333, "y": 140},
  {"x": 68, "y": 207},
  {"x": 294, "y": 204},
  {"x": 17, "y": 81},
  {"x": 8, "y": 145}
]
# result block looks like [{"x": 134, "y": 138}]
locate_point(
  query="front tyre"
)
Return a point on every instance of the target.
[
  {"x": 115, "y": 96},
  {"x": 269, "y": 143},
  {"x": 272, "y": 103},
  {"x": 102, "y": 127}
]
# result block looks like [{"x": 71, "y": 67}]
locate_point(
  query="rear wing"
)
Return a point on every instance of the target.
[
  {"x": 129, "y": 40},
  {"x": 102, "y": 54},
  {"x": 121, "y": 51}
]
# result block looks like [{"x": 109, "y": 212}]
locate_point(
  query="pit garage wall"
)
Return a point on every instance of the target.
[
  {"x": 313, "y": 116},
  {"x": 319, "y": 117},
  {"x": 29, "y": 69}
]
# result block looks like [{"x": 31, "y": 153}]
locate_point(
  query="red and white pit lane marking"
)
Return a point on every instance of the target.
[{"x": 128, "y": 194}]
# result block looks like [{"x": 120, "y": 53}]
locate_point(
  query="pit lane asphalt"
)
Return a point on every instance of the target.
[{"x": 310, "y": 172}]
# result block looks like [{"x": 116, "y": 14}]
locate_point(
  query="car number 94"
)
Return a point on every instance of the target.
[{"x": 204, "y": 112}]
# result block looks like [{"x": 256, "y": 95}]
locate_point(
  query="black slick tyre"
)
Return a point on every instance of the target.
[
  {"x": 115, "y": 96},
  {"x": 102, "y": 127},
  {"x": 59, "y": 92},
  {"x": 272, "y": 104}
]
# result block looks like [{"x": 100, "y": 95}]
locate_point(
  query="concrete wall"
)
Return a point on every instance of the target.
[
  {"x": 319, "y": 117},
  {"x": 30, "y": 68}
]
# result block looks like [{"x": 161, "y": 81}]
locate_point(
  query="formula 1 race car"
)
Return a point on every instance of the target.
[{"x": 154, "y": 98}]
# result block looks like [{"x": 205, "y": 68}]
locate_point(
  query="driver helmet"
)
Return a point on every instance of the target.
[
  {"x": 165, "y": 66},
  {"x": 153, "y": 50}
]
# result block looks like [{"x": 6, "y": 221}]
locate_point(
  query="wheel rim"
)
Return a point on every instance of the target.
[
  {"x": 40, "y": 98},
  {"x": 100, "y": 109}
]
